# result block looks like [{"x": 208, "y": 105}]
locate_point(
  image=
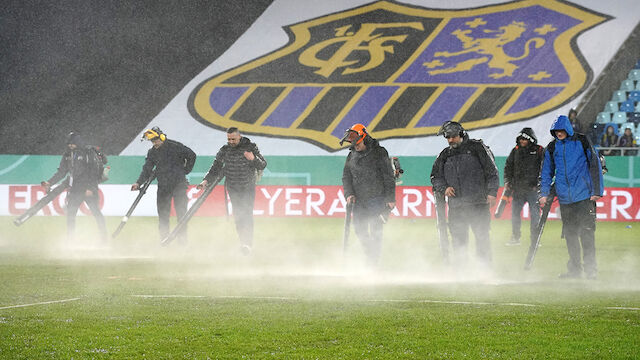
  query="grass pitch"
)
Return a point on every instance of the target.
[{"x": 298, "y": 297}]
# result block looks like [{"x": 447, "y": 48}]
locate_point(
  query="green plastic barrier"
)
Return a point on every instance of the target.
[{"x": 624, "y": 171}]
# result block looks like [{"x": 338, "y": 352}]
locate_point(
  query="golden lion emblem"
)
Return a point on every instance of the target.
[{"x": 492, "y": 46}]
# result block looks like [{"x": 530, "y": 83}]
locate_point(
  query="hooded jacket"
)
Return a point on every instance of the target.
[
  {"x": 522, "y": 168},
  {"x": 172, "y": 161},
  {"x": 237, "y": 170},
  {"x": 577, "y": 172},
  {"x": 78, "y": 163},
  {"x": 369, "y": 176},
  {"x": 469, "y": 169},
  {"x": 610, "y": 140}
]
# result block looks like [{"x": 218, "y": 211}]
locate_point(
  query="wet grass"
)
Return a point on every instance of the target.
[{"x": 298, "y": 297}]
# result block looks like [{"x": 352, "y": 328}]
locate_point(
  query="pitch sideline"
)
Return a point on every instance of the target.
[{"x": 39, "y": 303}]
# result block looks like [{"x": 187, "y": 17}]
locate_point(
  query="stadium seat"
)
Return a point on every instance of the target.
[
  {"x": 638, "y": 107},
  {"x": 603, "y": 117},
  {"x": 619, "y": 117},
  {"x": 634, "y": 95},
  {"x": 637, "y": 65},
  {"x": 619, "y": 96},
  {"x": 634, "y": 74},
  {"x": 611, "y": 106},
  {"x": 629, "y": 125},
  {"x": 634, "y": 117},
  {"x": 627, "y": 85},
  {"x": 627, "y": 106}
]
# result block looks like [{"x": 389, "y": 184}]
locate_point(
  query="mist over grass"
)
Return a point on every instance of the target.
[
  {"x": 298, "y": 296},
  {"x": 298, "y": 247}
]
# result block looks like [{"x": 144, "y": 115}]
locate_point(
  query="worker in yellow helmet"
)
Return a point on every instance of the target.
[{"x": 170, "y": 161}]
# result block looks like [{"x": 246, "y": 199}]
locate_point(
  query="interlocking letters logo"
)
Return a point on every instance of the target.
[{"x": 402, "y": 71}]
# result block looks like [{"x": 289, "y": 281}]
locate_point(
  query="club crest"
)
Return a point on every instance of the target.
[{"x": 403, "y": 70}]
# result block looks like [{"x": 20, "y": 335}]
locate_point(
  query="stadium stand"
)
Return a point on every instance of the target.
[
  {"x": 627, "y": 85},
  {"x": 619, "y": 96},
  {"x": 603, "y": 117},
  {"x": 634, "y": 95},
  {"x": 623, "y": 110},
  {"x": 627, "y": 106},
  {"x": 629, "y": 125},
  {"x": 619, "y": 117},
  {"x": 611, "y": 106}
]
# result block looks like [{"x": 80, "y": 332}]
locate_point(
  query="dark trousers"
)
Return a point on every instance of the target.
[
  {"x": 75, "y": 198},
  {"x": 441, "y": 218},
  {"x": 368, "y": 227},
  {"x": 178, "y": 194},
  {"x": 519, "y": 199},
  {"x": 242, "y": 199},
  {"x": 579, "y": 227},
  {"x": 476, "y": 217}
]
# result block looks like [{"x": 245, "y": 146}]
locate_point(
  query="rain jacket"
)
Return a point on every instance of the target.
[
  {"x": 577, "y": 172},
  {"x": 522, "y": 168},
  {"x": 237, "y": 170},
  {"x": 610, "y": 140},
  {"x": 369, "y": 176},
  {"x": 172, "y": 161},
  {"x": 78, "y": 163},
  {"x": 627, "y": 141},
  {"x": 469, "y": 169}
]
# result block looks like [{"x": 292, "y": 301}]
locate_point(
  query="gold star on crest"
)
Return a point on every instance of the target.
[
  {"x": 544, "y": 30},
  {"x": 475, "y": 23},
  {"x": 539, "y": 75},
  {"x": 433, "y": 64}
]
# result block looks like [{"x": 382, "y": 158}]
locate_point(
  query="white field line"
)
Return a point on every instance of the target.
[
  {"x": 244, "y": 297},
  {"x": 168, "y": 296},
  {"x": 451, "y": 302},
  {"x": 40, "y": 303},
  {"x": 258, "y": 297},
  {"x": 218, "y": 297},
  {"x": 296, "y": 299}
]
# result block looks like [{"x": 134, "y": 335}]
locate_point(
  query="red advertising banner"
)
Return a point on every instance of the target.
[{"x": 618, "y": 204}]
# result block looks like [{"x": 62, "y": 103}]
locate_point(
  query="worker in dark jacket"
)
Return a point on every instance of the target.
[
  {"x": 467, "y": 174},
  {"x": 521, "y": 173},
  {"x": 170, "y": 162},
  {"x": 369, "y": 184},
  {"x": 85, "y": 171},
  {"x": 239, "y": 162},
  {"x": 577, "y": 171}
]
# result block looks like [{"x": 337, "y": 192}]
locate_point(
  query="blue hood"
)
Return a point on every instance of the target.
[
  {"x": 614, "y": 126},
  {"x": 562, "y": 122}
]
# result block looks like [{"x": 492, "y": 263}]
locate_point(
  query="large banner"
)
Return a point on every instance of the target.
[
  {"x": 307, "y": 70},
  {"x": 618, "y": 204}
]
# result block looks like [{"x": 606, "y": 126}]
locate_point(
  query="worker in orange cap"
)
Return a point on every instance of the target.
[{"x": 369, "y": 185}]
